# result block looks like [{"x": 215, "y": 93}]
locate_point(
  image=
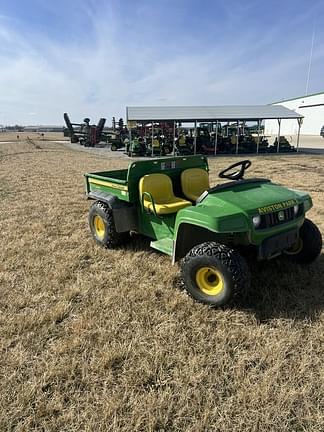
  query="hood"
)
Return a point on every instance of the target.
[{"x": 252, "y": 197}]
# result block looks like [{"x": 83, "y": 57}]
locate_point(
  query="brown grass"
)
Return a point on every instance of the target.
[
  {"x": 48, "y": 136},
  {"x": 97, "y": 340}
]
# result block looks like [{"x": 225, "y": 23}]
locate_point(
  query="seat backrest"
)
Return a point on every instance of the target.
[
  {"x": 156, "y": 143},
  {"x": 182, "y": 140},
  {"x": 159, "y": 186},
  {"x": 194, "y": 181}
]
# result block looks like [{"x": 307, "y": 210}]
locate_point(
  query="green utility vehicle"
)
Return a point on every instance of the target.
[{"x": 210, "y": 229}]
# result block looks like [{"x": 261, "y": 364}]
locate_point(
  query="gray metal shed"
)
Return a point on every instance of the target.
[{"x": 221, "y": 113}]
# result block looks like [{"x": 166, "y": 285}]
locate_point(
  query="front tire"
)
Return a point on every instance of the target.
[
  {"x": 214, "y": 274},
  {"x": 309, "y": 245},
  {"x": 103, "y": 228}
]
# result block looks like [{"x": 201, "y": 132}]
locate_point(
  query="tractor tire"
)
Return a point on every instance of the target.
[
  {"x": 103, "y": 228},
  {"x": 215, "y": 274},
  {"x": 74, "y": 139},
  {"x": 308, "y": 246},
  {"x": 113, "y": 147}
]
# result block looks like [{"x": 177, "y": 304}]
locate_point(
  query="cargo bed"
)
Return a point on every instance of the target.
[{"x": 123, "y": 183}]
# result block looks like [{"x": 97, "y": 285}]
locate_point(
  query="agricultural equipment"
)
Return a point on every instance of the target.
[
  {"x": 182, "y": 146},
  {"x": 203, "y": 142},
  {"x": 136, "y": 147},
  {"x": 84, "y": 133},
  {"x": 139, "y": 146},
  {"x": 159, "y": 146},
  {"x": 263, "y": 145},
  {"x": 114, "y": 139},
  {"x": 117, "y": 135},
  {"x": 284, "y": 146},
  {"x": 210, "y": 229}
]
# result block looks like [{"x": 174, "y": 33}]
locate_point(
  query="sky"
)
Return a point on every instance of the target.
[{"x": 92, "y": 58}]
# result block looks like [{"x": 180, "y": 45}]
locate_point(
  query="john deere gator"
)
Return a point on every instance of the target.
[{"x": 210, "y": 229}]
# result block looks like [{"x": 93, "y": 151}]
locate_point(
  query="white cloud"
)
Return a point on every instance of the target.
[{"x": 40, "y": 78}]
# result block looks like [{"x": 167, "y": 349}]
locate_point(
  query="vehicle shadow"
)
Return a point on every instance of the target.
[
  {"x": 138, "y": 243},
  {"x": 280, "y": 289}
]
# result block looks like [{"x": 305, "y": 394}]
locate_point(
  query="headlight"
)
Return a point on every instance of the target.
[
  {"x": 256, "y": 220},
  {"x": 296, "y": 209}
]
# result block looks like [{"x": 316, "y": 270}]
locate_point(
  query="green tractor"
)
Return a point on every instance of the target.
[
  {"x": 209, "y": 229},
  {"x": 284, "y": 146},
  {"x": 114, "y": 139},
  {"x": 135, "y": 147}
]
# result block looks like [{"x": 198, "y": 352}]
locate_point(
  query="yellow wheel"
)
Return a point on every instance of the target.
[
  {"x": 103, "y": 227},
  {"x": 296, "y": 248},
  {"x": 99, "y": 226},
  {"x": 308, "y": 246},
  {"x": 214, "y": 274},
  {"x": 209, "y": 281}
]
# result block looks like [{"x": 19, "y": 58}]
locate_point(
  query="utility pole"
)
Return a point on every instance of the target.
[{"x": 310, "y": 59}]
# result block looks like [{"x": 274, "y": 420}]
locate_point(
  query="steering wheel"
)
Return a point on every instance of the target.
[{"x": 236, "y": 175}]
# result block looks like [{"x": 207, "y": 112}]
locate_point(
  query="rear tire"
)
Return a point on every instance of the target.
[
  {"x": 215, "y": 274},
  {"x": 308, "y": 246},
  {"x": 103, "y": 228}
]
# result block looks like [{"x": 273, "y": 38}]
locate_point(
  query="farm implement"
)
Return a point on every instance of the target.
[{"x": 84, "y": 133}]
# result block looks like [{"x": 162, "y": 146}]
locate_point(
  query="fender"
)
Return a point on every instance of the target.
[
  {"x": 124, "y": 213},
  {"x": 194, "y": 226}
]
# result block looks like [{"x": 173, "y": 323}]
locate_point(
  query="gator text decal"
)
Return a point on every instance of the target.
[{"x": 277, "y": 206}]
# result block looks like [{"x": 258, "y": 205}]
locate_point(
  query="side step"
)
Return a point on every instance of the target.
[{"x": 164, "y": 245}]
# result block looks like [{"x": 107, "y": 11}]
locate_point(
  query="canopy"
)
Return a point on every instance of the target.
[{"x": 209, "y": 113}]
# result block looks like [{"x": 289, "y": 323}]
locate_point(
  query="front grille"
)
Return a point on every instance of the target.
[{"x": 273, "y": 219}]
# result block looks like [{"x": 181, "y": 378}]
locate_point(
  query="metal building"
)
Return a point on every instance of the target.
[
  {"x": 214, "y": 115},
  {"x": 310, "y": 106}
]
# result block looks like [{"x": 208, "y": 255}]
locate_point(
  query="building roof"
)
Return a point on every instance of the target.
[
  {"x": 210, "y": 113},
  {"x": 298, "y": 97}
]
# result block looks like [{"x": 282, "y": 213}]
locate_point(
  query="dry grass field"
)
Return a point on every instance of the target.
[
  {"x": 98, "y": 340},
  {"x": 48, "y": 136}
]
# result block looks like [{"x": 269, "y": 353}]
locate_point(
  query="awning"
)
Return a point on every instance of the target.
[{"x": 209, "y": 113}]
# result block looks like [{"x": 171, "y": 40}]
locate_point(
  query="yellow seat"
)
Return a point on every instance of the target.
[
  {"x": 194, "y": 181},
  {"x": 159, "y": 186},
  {"x": 182, "y": 141},
  {"x": 156, "y": 143}
]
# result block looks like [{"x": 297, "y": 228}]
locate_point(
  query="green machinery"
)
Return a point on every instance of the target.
[
  {"x": 210, "y": 229},
  {"x": 114, "y": 139}
]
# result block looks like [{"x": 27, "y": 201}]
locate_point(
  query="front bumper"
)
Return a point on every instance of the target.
[{"x": 273, "y": 246}]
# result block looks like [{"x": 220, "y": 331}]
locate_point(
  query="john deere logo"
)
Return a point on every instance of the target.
[{"x": 281, "y": 216}]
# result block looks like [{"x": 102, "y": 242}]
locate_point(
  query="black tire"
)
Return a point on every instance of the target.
[
  {"x": 113, "y": 147},
  {"x": 74, "y": 139},
  {"x": 227, "y": 267},
  {"x": 309, "y": 245},
  {"x": 101, "y": 215}
]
